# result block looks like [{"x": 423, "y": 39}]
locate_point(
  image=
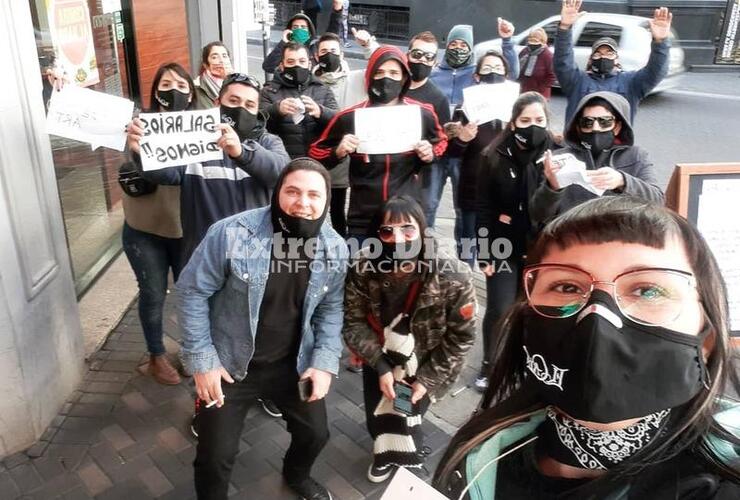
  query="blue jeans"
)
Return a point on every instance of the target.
[
  {"x": 151, "y": 257},
  {"x": 466, "y": 244},
  {"x": 434, "y": 184}
]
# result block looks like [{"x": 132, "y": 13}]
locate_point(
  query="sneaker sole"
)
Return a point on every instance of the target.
[
  {"x": 271, "y": 413},
  {"x": 379, "y": 479},
  {"x": 329, "y": 492}
]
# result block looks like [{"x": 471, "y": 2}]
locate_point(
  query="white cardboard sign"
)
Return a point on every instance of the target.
[
  {"x": 487, "y": 102},
  {"x": 388, "y": 129}
]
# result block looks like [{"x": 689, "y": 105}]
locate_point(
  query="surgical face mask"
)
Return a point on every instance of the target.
[
  {"x": 457, "y": 57},
  {"x": 384, "y": 90},
  {"x": 172, "y": 100},
  {"x": 241, "y": 120},
  {"x": 330, "y": 62},
  {"x": 602, "y": 66},
  {"x": 300, "y": 35},
  {"x": 600, "y": 366}
]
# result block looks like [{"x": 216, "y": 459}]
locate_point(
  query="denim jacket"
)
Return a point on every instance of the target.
[{"x": 221, "y": 288}]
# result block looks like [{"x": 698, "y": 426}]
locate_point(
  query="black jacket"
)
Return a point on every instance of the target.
[
  {"x": 297, "y": 137},
  {"x": 630, "y": 160},
  {"x": 504, "y": 187},
  {"x": 470, "y": 154}
]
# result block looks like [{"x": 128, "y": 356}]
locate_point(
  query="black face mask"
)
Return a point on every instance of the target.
[
  {"x": 172, "y": 100},
  {"x": 330, "y": 62},
  {"x": 295, "y": 75},
  {"x": 492, "y": 78},
  {"x": 533, "y": 46},
  {"x": 419, "y": 71},
  {"x": 530, "y": 138},
  {"x": 291, "y": 226},
  {"x": 606, "y": 368},
  {"x": 384, "y": 90},
  {"x": 457, "y": 57},
  {"x": 596, "y": 142},
  {"x": 602, "y": 66},
  {"x": 242, "y": 121}
]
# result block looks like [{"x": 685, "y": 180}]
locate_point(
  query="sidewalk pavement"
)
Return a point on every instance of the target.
[{"x": 121, "y": 435}]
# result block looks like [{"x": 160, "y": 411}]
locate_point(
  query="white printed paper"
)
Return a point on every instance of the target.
[
  {"x": 89, "y": 116},
  {"x": 487, "y": 102},
  {"x": 406, "y": 486},
  {"x": 722, "y": 234},
  {"x": 300, "y": 114},
  {"x": 388, "y": 129},
  {"x": 573, "y": 171},
  {"x": 179, "y": 138}
]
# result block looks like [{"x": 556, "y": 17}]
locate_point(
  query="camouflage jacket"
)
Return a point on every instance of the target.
[{"x": 443, "y": 320}]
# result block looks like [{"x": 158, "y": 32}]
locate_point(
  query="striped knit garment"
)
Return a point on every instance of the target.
[{"x": 399, "y": 436}]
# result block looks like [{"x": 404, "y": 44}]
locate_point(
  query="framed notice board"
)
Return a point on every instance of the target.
[{"x": 708, "y": 195}]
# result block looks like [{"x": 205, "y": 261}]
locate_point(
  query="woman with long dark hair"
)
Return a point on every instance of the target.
[
  {"x": 409, "y": 314},
  {"x": 152, "y": 233},
  {"x": 215, "y": 66},
  {"x": 507, "y": 176},
  {"x": 612, "y": 379},
  {"x": 467, "y": 141}
]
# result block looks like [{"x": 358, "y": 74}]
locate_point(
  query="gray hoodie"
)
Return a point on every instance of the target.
[{"x": 629, "y": 160}]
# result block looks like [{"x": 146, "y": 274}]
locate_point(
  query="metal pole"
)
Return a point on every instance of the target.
[{"x": 266, "y": 46}]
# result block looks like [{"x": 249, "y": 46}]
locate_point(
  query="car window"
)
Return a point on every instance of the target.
[{"x": 593, "y": 31}]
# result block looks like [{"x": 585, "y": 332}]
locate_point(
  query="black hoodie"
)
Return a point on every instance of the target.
[
  {"x": 629, "y": 160},
  {"x": 375, "y": 178},
  {"x": 297, "y": 137}
]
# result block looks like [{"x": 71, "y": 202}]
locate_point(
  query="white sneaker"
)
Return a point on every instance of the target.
[{"x": 481, "y": 383}]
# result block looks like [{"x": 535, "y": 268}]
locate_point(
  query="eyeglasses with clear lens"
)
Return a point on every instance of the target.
[
  {"x": 653, "y": 296},
  {"x": 605, "y": 122},
  {"x": 598, "y": 55},
  {"x": 408, "y": 231},
  {"x": 487, "y": 70},
  {"x": 242, "y": 78},
  {"x": 419, "y": 54}
]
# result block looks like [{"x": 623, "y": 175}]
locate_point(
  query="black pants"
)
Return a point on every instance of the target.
[
  {"x": 219, "y": 429},
  {"x": 338, "y": 216},
  {"x": 501, "y": 292}
]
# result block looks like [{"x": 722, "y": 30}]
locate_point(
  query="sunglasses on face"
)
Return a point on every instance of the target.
[
  {"x": 408, "y": 231},
  {"x": 605, "y": 122},
  {"x": 419, "y": 55},
  {"x": 242, "y": 78}
]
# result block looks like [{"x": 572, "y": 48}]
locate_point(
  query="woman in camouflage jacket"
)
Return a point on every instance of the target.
[{"x": 411, "y": 326}]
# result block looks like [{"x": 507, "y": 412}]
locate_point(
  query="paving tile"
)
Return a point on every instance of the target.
[
  {"x": 119, "y": 366},
  {"x": 117, "y": 437},
  {"x": 171, "y": 467},
  {"x": 173, "y": 440},
  {"x": 108, "y": 376},
  {"x": 8, "y": 486},
  {"x": 136, "y": 402},
  {"x": 90, "y": 410},
  {"x": 135, "y": 356},
  {"x": 69, "y": 455},
  {"x": 127, "y": 490},
  {"x": 185, "y": 491},
  {"x": 117, "y": 345},
  {"x": 104, "y": 387},
  {"x": 79, "y": 493},
  {"x": 75, "y": 436},
  {"x": 25, "y": 477},
  {"x": 341, "y": 488},
  {"x": 155, "y": 482},
  {"x": 38, "y": 448},
  {"x": 15, "y": 460},
  {"x": 58, "y": 485},
  {"x": 48, "y": 468}
]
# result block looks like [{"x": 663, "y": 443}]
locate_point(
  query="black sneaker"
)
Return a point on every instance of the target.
[
  {"x": 308, "y": 489},
  {"x": 270, "y": 408},
  {"x": 377, "y": 474}
]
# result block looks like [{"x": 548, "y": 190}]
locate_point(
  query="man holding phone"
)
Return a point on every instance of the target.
[{"x": 260, "y": 305}]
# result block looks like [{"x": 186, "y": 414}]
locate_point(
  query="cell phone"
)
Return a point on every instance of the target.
[
  {"x": 402, "y": 403},
  {"x": 305, "y": 388},
  {"x": 459, "y": 116}
]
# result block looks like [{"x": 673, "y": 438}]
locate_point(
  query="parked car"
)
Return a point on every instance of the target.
[{"x": 631, "y": 32}]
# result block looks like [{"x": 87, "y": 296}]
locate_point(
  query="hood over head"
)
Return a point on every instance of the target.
[
  {"x": 380, "y": 56},
  {"x": 621, "y": 110},
  {"x": 311, "y": 27}
]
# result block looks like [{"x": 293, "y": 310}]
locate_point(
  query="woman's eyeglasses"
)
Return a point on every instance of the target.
[
  {"x": 605, "y": 122},
  {"x": 419, "y": 55},
  {"x": 408, "y": 231},
  {"x": 652, "y": 296}
]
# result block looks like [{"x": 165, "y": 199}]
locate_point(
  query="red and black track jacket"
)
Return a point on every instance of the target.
[{"x": 375, "y": 178}]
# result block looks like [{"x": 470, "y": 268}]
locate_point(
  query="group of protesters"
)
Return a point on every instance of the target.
[{"x": 606, "y": 352}]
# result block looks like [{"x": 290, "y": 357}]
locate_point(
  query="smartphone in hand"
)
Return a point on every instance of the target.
[
  {"x": 402, "y": 403},
  {"x": 305, "y": 388}
]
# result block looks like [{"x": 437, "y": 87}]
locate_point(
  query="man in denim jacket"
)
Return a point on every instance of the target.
[{"x": 261, "y": 306}]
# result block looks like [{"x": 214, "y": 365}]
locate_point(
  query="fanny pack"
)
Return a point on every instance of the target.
[{"x": 131, "y": 181}]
